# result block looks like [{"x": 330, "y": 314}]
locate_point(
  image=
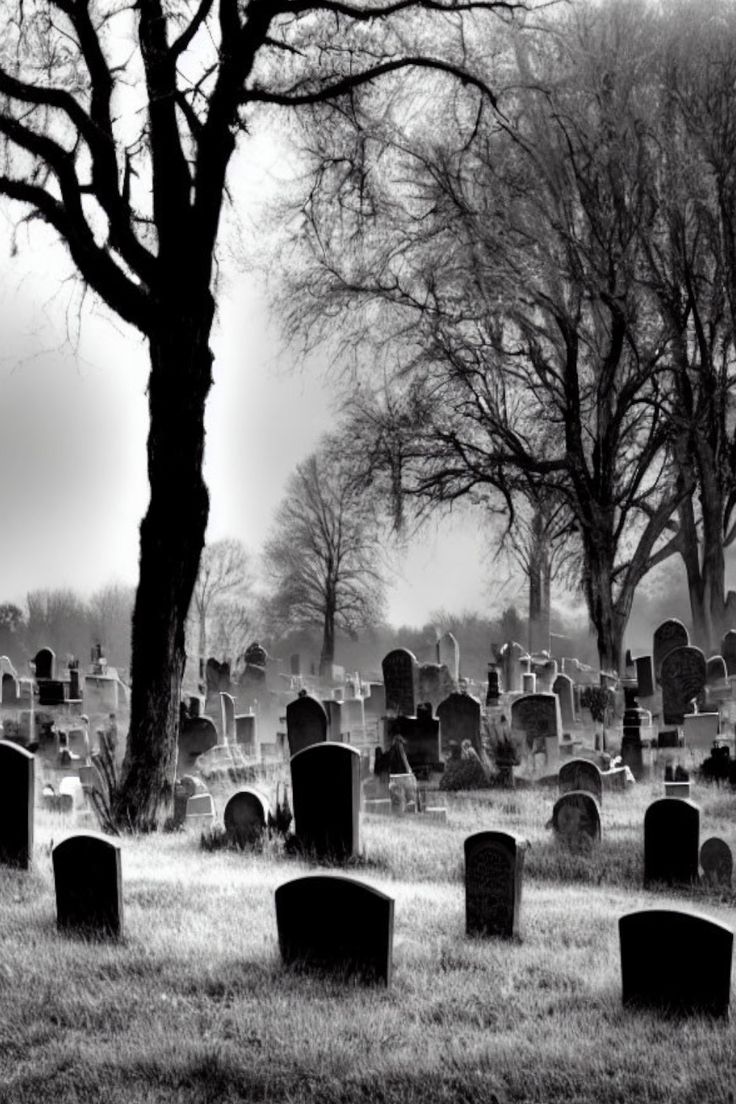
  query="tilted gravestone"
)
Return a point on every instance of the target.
[
  {"x": 669, "y": 635},
  {"x": 645, "y": 686},
  {"x": 682, "y": 677},
  {"x": 17, "y": 771},
  {"x": 448, "y": 654},
  {"x": 494, "y": 866},
  {"x": 576, "y": 820},
  {"x": 563, "y": 688},
  {"x": 671, "y": 841},
  {"x": 89, "y": 885},
  {"x": 325, "y": 782},
  {"x": 459, "y": 717},
  {"x": 677, "y": 962},
  {"x": 580, "y": 774},
  {"x": 306, "y": 723},
  {"x": 717, "y": 862},
  {"x": 336, "y": 925},
  {"x": 728, "y": 651},
  {"x": 400, "y": 676},
  {"x": 246, "y": 816}
]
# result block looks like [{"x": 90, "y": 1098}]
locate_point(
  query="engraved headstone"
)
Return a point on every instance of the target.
[
  {"x": 459, "y": 717},
  {"x": 580, "y": 774},
  {"x": 400, "y": 675},
  {"x": 676, "y": 962},
  {"x": 671, "y": 842},
  {"x": 576, "y": 820},
  {"x": 682, "y": 676},
  {"x": 89, "y": 885},
  {"x": 538, "y": 717},
  {"x": 717, "y": 862},
  {"x": 669, "y": 635},
  {"x": 306, "y": 723},
  {"x": 17, "y": 771},
  {"x": 246, "y": 816},
  {"x": 336, "y": 925},
  {"x": 494, "y": 865},
  {"x": 326, "y": 799}
]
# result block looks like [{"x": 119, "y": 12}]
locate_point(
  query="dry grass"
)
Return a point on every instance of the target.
[{"x": 195, "y": 1006}]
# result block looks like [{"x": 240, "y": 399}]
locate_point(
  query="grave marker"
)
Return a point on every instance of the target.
[
  {"x": 667, "y": 636},
  {"x": 448, "y": 654},
  {"x": 89, "y": 885},
  {"x": 459, "y": 717},
  {"x": 400, "y": 672},
  {"x": 246, "y": 816},
  {"x": 576, "y": 820},
  {"x": 336, "y": 925},
  {"x": 227, "y": 717},
  {"x": 671, "y": 841},
  {"x": 717, "y": 862},
  {"x": 326, "y": 799},
  {"x": 538, "y": 717},
  {"x": 580, "y": 774},
  {"x": 196, "y": 736},
  {"x": 682, "y": 676},
  {"x": 17, "y": 771},
  {"x": 494, "y": 865},
  {"x": 45, "y": 663},
  {"x": 563, "y": 688},
  {"x": 645, "y": 677},
  {"x": 728, "y": 651},
  {"x": 306, "y": 723}
]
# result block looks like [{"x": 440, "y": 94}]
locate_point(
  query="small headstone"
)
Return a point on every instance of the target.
[
  {"x": 17, "y": 770},
  {"x": 448, "y": 654},
  {"x": 668, "y": 738},
  {"x": 580, "y": 774},
  {"x": 667, "y": 636},
  {"x": 400, "y": 674},
  {"x": 511, "y": 654},
  {"x": 676, "y": 962},
  {"x": 326, "y": 799},
  {"x": 699, "y": 730},
  {"x": 10, "y": 691},
  {"x": 306, "y": 723},
  {"x": 459, "y": 717},
  {"x": 227, "y": 717},
  {"x": 336, "y": 925},
  {"x": 576, "y": 820},
  {"x": 717, "y": 862},
  {"x": 682, "y": 676},
  {"x": 200, "y": 811},
  {"x": 538, "y": 717},
  {"x": 563, "y": 688},
  {"x": 680, "y": 790},
  {"x": 671, "y": 842},
  {"x": 45, "y": 663},
  {"x": 715, "y": 672},
  {"x": 494, "y": 865},
  {"x": 197, "y": 735},
  {"x": 89, "y": 885},
  {"x": 645, "y": 677},
  {"x": 246, "y": 816},
  {"x": 728, "y": 651}
]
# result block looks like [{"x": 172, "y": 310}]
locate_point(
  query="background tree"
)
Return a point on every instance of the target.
[
  {"x": 324, "y": 555},
  {"x": 110, "y": 610},
  {"x": 57, "y": 618},
  {"x": 224, "y": 573},
  {"x": 12, "y": 622},
  {"x": 119, "y": 123}
]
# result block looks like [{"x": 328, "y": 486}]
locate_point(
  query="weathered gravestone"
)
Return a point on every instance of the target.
[
  {"x": 44, "y": 663},
  {"x": 716, "y": 673},
  {"x": 197, "y": 735},
  {"x": 400, "y": 674},
  {"x": 421, "y": 736},
  {"x": 246, "y": 733},
  {"x": 336, "y": 925},
  {"x": 563, "y": 688},
  {"x": 510, "y": 655},
  {"x": 538, "y": 717},
  {"x": 459, "y": 717},
  {"x": 306, "y": 723},
  {"x": 669, "y": 635},
  {"x": 494, "y": 865},
  {"x": 10, "y": 690},
  {"x": 717, "y": 862},
  {"x": 448, "y": 654},
  {"x": 89, "y": 885},
  {"x": 645, "y": 686},
  {"x": 576, "y": 820},
  {"x": 682, "y": 676},
  {"x": 227, "y": 717},
  {"x": 200, "y": 811},
  {"x": 671, "y": 842},
  {"x": 246, "y": 816},
  {"x": 17, "y": 774},
  {"x": 434, "y": 683},
  {"x": 580, "y": 774},
  {"x": 326, "y": 800},
  {"x": 677, "y": 962},
  {"x": 728, "y": 651}
]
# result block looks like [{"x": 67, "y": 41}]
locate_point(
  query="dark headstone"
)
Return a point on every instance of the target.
[
  {"x": 217, "y": 676},
  {"x": 306, "y": 723},
  {"x": 420, "y": 739},
  {"x": 17, "y": 773},
  {"x": 246, "y": 816},
  {"x": 459, "y": 717},
  {"x": 580, "y": 774},
  {"x": 671, "y": 842},
  {"x": 563, "y": 688},
  {"x": 45, "y": 663},
  {"x": 326, "y": 799},
  {"x": 645, "y": 677},
  {"x": 89, "y": 885},
  {"x": 75, "y": 689},
  {"x": 715, "y": 671},
  {"x": 677, "y": 962},
  {"x": 682, "y": 676},
  {"x": 494, "y": 864},
  {"x": 576, "y": 820},
  {"x": 51, "y": 692},
  {"x": 493, "y": 691},
  {"x": 728, "y": 651},
  {"x": 669, "y": 635},
  {"x": 400, "y": 675},
  {"x": 10, "y": 694},
  {"x": 336, "y": 925},
  {"x": 717, "y": 862},
  {"x": 668, "y": 738},
  {"x": 538, "y": 716},
  {"x": 196, "y": 736}
]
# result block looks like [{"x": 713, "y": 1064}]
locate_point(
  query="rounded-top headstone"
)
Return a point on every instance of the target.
[
  {"x": 494, "y": 864},
  {"x": 716, "y": 860},
  {"x": 246, "y": 816},
  {"x": 17, "y": 770},
  {"x": 667, "y": 636},
  {"x": 580, "y": 774},
  {"x": 89, "y": 885},
  {"x": 576, "y": 819},
  {"x": 671, "y": 841}
]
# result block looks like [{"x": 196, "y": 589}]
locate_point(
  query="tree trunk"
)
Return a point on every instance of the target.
[
  {"x": 171, "y": 542},
  {"x": 327, "y": 655},
  {"x": 609, "y": 621},
  {"x": 540, "y": 573}
]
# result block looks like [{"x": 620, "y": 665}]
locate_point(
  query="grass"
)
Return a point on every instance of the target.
[{"x": 195, "y": 1006}]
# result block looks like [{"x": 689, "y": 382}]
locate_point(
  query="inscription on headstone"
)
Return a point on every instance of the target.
[
  {"x": 669, "y": 635},
  {"x": 682, "y": 676}
]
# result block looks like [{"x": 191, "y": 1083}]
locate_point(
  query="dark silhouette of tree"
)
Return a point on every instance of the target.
[
  {"x": 119, "y": 123},
  {"x": 324, "y": 555}
]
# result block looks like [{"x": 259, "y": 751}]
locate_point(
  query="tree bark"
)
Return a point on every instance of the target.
[
  {"x": 171, "y": 541},
  {"x": 327, "y": 655},
  {"x": 540, "y": 574}
]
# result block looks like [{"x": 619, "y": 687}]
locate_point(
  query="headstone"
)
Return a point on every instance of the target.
[
  {"x": 333, "y": 709},
  {"x": 494, "y": 865},
  {"x": 728, "y": 651},
  {"x": 421, "y": 736},
  {"x": 306, "y": 723},
  {"x": 528, "y": 682},
  {"x": 699, "y": 730},
  {"x": 10, "y": 693},
  {"x": 448, "y": 654},
  {"x": 17, "y": 772},
  {"x": 459, "y": 717},
  {"x": 227, "y": 716},
  {"x": 677, "y": 962},
  {"x": 45, "y": 663},
  {"x": 680, "y": 790},
  {"x": 196, "y": 736},
  {"x": 669, "y": 635},
  {"x": 580, "y": 774},
  {"x": 200, "y": 811},
  {"x": 246, "y": 733},
  {"x": 645, "y": 677},
  {"x": 326, "y": 799},
  {"x": 682, "y": 676},
  {"x": 400, "y": 671},
  {"x": 563, "y": 688},
  {"x": 717, "y": 862},
  {"x": 576, "y": 820},
  {"x": 51, "y": 692},
  {"x": 511, "y": 654},
  {"x": 671, "y": 842},
  {"x": 493, "y": 691},
  {"x": 336, "y": 925},
  {"x": 246, "y": 816},
  {"x": 538, "y": 716},
  {"x": 434, "y": 683},
  {"x": 89, "y": 885},
  {"x": 75, "y": 689},
  {"x": 715, "y": 672},
  {"x": 668, "y": 738}
]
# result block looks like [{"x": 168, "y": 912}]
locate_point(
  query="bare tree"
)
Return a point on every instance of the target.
[
  {"x": 119, "y": 122},
  {"x": 224, "y": 570},
  {"x": 111, "y": 613},
  {"x": 324, "y": 555}
]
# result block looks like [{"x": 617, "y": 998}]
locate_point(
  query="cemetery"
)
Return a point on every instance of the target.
[{"x": 473, "y": 940}]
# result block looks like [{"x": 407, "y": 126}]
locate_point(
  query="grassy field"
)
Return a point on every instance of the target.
[{"x": 195, "y": 1006}]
